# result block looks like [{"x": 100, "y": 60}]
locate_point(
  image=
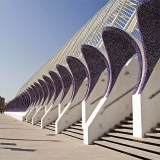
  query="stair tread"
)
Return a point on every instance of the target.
[
  {"x": 156, "y": 129},
  {"x": 127, "y": 121},
  {"x": 38, "y": 124},
  {"x": 125, "y": 125},
  {"x": 51, "y": 125},
  {"x": 78, "y": 124},
  {"x": 72, "y": 134},
  {"x": 122, "y": 130},
  {"x": 133, "y": 144},
  {"x": 129, "y": 117},
  {"x": 50, "y": 128},
  {"x": 76, "y": 127},
  {"x": 127, "y": 136},
  {"x": 75, "y": 131},
  {"x": 157, "y": 135},
  {"x": 128, "y": 150}
]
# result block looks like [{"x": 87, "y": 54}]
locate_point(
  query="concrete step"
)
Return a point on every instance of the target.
[
  {"x": 38, "y": 124},
  {"x": 52, "y": 125},
  {"x": 125, "y": 149},
  {"x": 78, "y": 124},
  {"x": 78, "y": 136},
  {"x": 74, "y": 131},
  {"x": 126, "y": 121},
  {"x": 131, "y": 143},
  {"x": 128, "y": 126},
  {"x": 30, "y": 122},
  {"x": 130, "y": 137},
  {"x": 153, "y": 135},
  {"x": 129, "y": 117},
  {"x": 76, "y": 127},
  {"x": 122, "y": 130},
  {"x": 50, "y": 128},
  {"x": 156, "y": 129}
]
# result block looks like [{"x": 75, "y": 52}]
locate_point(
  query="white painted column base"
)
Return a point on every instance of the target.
[
  {"x": 30, "y": 114},
  {"x": 38, "y": 115}
]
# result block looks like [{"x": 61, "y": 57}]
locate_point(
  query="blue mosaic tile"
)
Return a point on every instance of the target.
[
  {"x": 67, "y": 79},
  {"x": 29, "y": 95},
  {"x": 96, "y": 63},
  {"x": 57, "y": 84},
  {"x": 35, "y": 93},
  {"x": 40, "y": 92},
  {"x": 79, "y": 72},
  {"x": 148, "y": 15},
  {"x": 45, "y": 89},
  {"x": 120, "y": 48},
  {"x": 50, "y": 85},
  {"x": 33, "y": 96}
]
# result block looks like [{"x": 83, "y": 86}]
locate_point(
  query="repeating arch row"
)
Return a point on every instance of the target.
[{"x": 119, "y": 46}]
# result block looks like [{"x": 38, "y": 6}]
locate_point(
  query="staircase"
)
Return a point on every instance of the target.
[
  {"x": 51, "y": 126},
  {"x": 75, "y": 130},
  {"x": 121, "y": 140},
  {"x": 38, "y": 124}
]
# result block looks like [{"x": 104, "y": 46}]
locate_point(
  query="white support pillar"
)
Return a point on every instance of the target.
[
  {"x": 146, "y": 108},
  {"x": 110, "y": 111}
]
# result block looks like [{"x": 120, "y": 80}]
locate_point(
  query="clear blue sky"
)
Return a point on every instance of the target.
[{"x": 31, "y": 31}]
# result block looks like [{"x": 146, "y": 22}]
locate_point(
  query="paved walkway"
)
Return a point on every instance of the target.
[{"x": 23, "y": 141}]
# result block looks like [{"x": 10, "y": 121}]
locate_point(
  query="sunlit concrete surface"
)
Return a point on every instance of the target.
[{"x": 18, "y": 141}]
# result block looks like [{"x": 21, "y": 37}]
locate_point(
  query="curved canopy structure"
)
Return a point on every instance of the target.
[
  {"x": 148, "y": 12},
  {"x": 120, "y": 48},
  {"x": 57, "y": 84},
  {"x": 50, "y": 86},
  {"x": 96, "y": 63},
  {"x": 45, "y": 90},
  {"x": 67, "y": 79},
  {"x": 79, "y": 72}
]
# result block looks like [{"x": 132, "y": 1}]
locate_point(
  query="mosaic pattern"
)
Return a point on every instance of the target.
[
  {"x": 148, "y": 14},
  {"x": 57, "y": 84},
  {"x": 79, "y": 72},
  {"x": 26, "y": 99},
  {"x": 67, "y": 79},
  {"x": 29, "y": 94},
  {"x": 36, "y": 94},
  {"x": 120, "y": 48},
  {"x": 33, "y": 95},
  {"x": 23, "y": 104},
  {"x": 44, "y": 88},
  {"x": 96, "y": 63},
  {"x": 40, "y": 92},
  {"x": 50, "y": 86},
  {"x": 19, "y": 104}
]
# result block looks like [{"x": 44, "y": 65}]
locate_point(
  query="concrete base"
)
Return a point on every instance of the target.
[
  {"x": 18, "y": 115},
  {"x": 116, "y": 107},
  {"x": 38, "y": 115},
  {"x": 146, "y": 108},
  {"x": 30, "y": 114},
  {"x": 72, "y": 112},
  {"x": 52, "y": 113}
]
